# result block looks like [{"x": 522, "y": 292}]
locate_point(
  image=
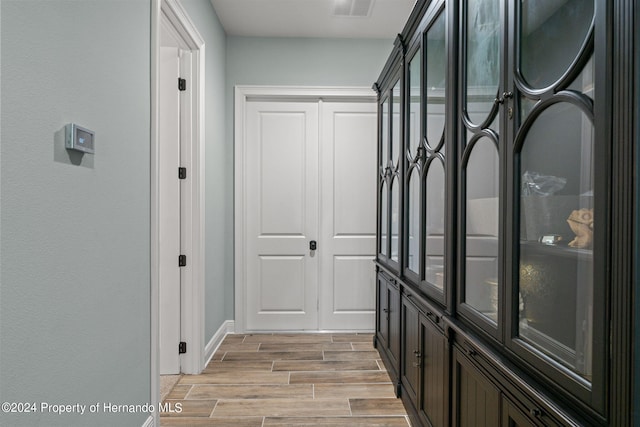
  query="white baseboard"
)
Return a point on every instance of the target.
[
  {"x": 150, "y": 422},
  {"x": 228, "y": 327}
]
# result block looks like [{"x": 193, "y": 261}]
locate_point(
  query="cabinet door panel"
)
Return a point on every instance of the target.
[
  {"x": 552, "y": 35},
  {"x": 394, "y": 325},
  {"x": 395, "y": 220},
  {"x": 396, "y": 133},
  {"x": 384, "y": 220},
  {"x": 560, "y": 205},
  {"x": 413, "y": 227},
  {"x": 436, "y": 81},
  {"x": 476, "y": 399},
  {"x": 556, "y": 278},
  {"x": 434, "y": 220},
  {"x": 384, "y": 133},
  {"x": 411, "y": 356},
  {"x": 482, "y": 63},
  {"x": 482, "y": 229},
  {"x": 415, "y": 105},
  {"x": 434, "y": 373},
  {"x": 413, "y": 170},
  {"x": 383, "y": 312},
  {"x": 435, "y": 158}
]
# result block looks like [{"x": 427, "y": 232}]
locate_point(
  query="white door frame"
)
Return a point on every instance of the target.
[
  {"x": 193, "y": 222},
  {"x": 243, "y": 94}
]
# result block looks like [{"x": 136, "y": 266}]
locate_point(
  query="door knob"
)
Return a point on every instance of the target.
[{"x": 313, "y": 245}]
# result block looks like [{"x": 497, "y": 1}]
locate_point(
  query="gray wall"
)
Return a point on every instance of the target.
[
  {"x": 218, "y": 185},
  {"x": 305, "y": 61},
  {"x": 75, "y": 259}
]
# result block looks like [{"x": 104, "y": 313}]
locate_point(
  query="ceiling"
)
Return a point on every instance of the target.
[{"x": 313, "y": 18}]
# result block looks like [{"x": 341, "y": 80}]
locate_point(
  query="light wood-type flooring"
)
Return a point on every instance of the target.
[{"x": 289, "y": 380}]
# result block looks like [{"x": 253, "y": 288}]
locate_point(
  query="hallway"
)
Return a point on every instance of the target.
[{"x": 286, "y": 380}]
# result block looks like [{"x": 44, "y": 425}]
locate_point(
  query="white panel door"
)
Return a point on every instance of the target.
[
  {"x": 282, "y": 215},
  {"x": 347, "y": 241},
  {"x": 169, "y": 212}
]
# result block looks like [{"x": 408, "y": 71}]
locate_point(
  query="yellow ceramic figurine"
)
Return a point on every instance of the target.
[{"x": 581, "y": 223}]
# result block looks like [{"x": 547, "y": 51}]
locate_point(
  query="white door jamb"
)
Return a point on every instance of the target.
[{"x": 192, "y": 306}]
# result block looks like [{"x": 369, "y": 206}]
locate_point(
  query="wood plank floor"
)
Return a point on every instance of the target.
[{"x": 289, "y": 380}]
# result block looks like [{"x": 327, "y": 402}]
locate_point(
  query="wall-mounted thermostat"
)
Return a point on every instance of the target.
[{"x": 80, "y": 139}]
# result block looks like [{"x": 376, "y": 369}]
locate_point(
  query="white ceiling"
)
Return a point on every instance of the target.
[{"x": 310, "y": 18}]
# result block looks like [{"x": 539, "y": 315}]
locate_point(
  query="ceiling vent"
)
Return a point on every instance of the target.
[{"x": 352, "y": 8}]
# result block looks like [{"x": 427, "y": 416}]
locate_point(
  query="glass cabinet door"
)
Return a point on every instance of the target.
[
  {"x": 425, "y": 157},
  {"x": 556, "y": 166},
  {"x": 396, "y": 122},
  {"x": 384, "y": 174},
  {"x": 415, "y": 164},
  {"x": 389, "y": 175},
  {"x": 434, "y": 43},
  {"x": 480, "y": 168},
  {"x": 384, "y": 219}
]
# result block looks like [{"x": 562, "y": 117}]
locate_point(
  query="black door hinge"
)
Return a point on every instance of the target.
[
  {"x": 182, "y": 261},
  {"x": 182, "y": 347},
  {"x": 182, "y": 84},
  {"x": 182, "y": 173}
]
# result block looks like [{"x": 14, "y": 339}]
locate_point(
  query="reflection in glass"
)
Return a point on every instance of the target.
[
  {"x": 552, "y": 33},
  {"x": 384, "y": 223},
  {"x": 557, "y": 224},
  {"x": 395, "y": 219},
  {"x": 483, "y": 31},
  {"x": 526, "y": 105},
  {"x": 435, "y": 76},
  {"x": 385, "y": 134},
  {"x": 481, "y": 247},
  {"x": 395, "y": 125},
  {"x": 434, "y": 244},
  {"x": 414, "y": 104},
  {"x": 414, "y": 221},
  {"x": 584, "y": 82}
]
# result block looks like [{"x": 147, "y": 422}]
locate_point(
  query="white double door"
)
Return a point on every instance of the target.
[{"x": 310, "y": 177}]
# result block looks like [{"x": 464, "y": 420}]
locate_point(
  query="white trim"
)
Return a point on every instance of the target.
[
  {"x": 192, "y": 305},
  {"x": 155, "y": 264},
  {"x": 243, "y": 94},
  {"x": 228, "y": 327},
  {"x": 150, "y": 422}
]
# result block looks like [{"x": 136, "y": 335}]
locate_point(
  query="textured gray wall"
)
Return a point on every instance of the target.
[
  {"x": 75, "y": 259},
  {"x": 219, "y": 182}
]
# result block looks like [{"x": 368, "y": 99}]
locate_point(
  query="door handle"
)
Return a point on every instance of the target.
[{"x": 313, "y": 245}]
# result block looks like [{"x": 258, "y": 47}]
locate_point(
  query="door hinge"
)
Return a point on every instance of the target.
[
  {"x": 182, "y": 173},
  {"x": 182, "y": 261},
  {"x": 182, "y": 347},
  {"x": 182, "y": 84}
]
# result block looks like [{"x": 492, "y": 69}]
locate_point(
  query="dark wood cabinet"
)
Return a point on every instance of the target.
[
  {"x": 412, "y": 354},
  {"x": 387, "y": 338},
  {"x": 476, "y": 399},
  {"x": 433, "y": 401},
  {"x": 424, "y": 361},
  {"x": 382, "y": 313},
  {"x": 507, "y": 206}
]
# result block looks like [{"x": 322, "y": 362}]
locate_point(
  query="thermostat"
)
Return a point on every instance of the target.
[{"x": 80, "y": 139}]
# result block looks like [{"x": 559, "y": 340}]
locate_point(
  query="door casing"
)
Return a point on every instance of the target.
[{"x": 244, "y": 94}]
